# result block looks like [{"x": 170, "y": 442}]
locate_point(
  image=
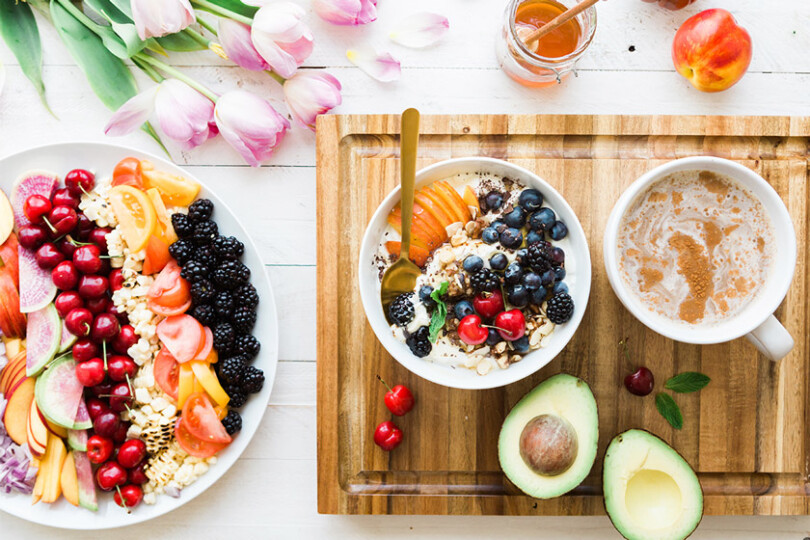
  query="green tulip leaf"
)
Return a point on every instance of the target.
[
  {"x": 180, "y": 42},
  {"x": 234, "y": 6},
  {"x": 19, "y": 30}
]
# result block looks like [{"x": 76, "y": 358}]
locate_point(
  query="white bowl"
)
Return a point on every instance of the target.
[{"x": 577, "y": 266}]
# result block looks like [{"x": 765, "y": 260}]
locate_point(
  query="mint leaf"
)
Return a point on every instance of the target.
[
  {"x": 688, "y": 381},
  {"x": 669, "y": 410},
  {"x": 439, "y": 315}
]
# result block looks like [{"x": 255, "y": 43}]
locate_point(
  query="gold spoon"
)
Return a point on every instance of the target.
[{"x": 401, "y": 276}]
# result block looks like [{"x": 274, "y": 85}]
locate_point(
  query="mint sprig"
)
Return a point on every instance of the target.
[
  {"x": 688, "y": 381},
  {"x": 439, "y": 315},
  {"x": 669, "y": 410}
]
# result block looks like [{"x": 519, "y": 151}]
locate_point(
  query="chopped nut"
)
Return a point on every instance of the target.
[
  {"x": 453, "y": 228},
  {"x": 546, "y": 328},
  {"x": 458, "y": 239},
  {"x": 534, "y": 340},
  {"x": 473, "y": 229},
  {"x": 446, "y": 255},
  {"x": 499, "y": 348},
  {"x": 482, "y": 351},
  {"x": 514, "y": 359},
  {"x": 483, "y": 367},
  {"x": 503, "y": 361},
  {"x": 545, "y": 341}
]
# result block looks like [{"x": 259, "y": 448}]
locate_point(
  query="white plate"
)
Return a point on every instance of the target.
[{"x": 101, "y": 158}]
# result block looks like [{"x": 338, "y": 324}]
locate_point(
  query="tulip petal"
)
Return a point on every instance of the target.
[
  {"x": 310, "y": 94},
  {"x": 157, "y": 18},
  {"x": 250, "y": 124},
  {"x": 281, "y": 38},
  {"x": 183, "y": 113},
  {"x": 420, "y": 30},
  {"x": 346, "y": 12},
  {"x": 380, "y": 66},
  {"x": 236, "y": 41},
  {"x": 132, "y": 114}
]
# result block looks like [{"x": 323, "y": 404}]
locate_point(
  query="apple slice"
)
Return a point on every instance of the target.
[
  {"x": 59, "y": 431},
  {"x": 9, "y": 259},
  {"x": 6, "y": 217},
  {"x": 37, "y": 431},
  {"x": 15, "y": 418},
  {"x": 69, "y": 480}
]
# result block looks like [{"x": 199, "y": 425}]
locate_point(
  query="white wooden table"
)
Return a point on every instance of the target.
[{"x": 271, "y": 491}]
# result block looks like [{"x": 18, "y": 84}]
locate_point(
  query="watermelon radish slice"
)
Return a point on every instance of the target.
[
  {"x": 31, "y": 183},
  {"x": 77, "y": 439},
  {"x": 36, "y": 286},
  {"x": 87, "y": 487},
  {"x": 82, "y": 420},
  {"x": 58, "y": 393},
  {"x": 44, "y": 335},
  {"x": 67, "y": 341}
]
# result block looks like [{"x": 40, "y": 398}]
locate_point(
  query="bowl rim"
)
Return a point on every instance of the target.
[{"x": 445, "y": 375}]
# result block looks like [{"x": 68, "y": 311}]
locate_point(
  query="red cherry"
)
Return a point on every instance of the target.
[
  {"x": 99, "y": 449},
  {"x": 138, "y": 474},
  {"x": 116, "y": 279},
  {"x": 36, "y": 207},
  {"x": 117, "y": 313},
  {"x": 398, "y": 399},
  {"x": 85, "y": 349},
  {"x": 105, "y": 327},
  {"x": 511, "y": 325},
  {"x": 488, "y": 304},
  {"x": 87, "y": 259},
  {"x": 470, "y": 330},
  {"x": 48, "y": 256},
  {"x": 131, "y": 453},
  {"x": 97, "y": 306},
  {"x": 129, "y": 496},
  {"x": 95, "y": 407},
  {"x": 98, "y": 237},
  {"x": 109, "y": 475},
  {"x": 106, "y": 424},
  {"x": 63, "y": 219},
  {"x": 79, "y": 321},
  {"x": 102, "y": 389},
  {"x": 93, "y": 286},
  {"x": 387, "y": 436},
  {"x": 80, "y": 180},
  {"x": 90, "y": 373},
  {"x": 66, "y": 302},
  {"x": 120, "y": 367},
  {"x": 63, "y": 197},
  {"x": 125, "y": 339},
  {"x": 67, "y": 247},
  {"x": 84, "y": 227},
  {"x": 640, "y": 382},
  {"x": 121, "y": 397},
  {"x": 32, "y": 236},
  {"x": 65, "y": 276},
  {"x": 120, "y": 434}
]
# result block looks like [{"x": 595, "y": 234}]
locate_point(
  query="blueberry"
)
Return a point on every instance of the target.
[
  {"x": 530, "y": 199},
  {"x": 532, "y": 237},
  {"x": 557, "y": 256},
  {"x": 521, "y": 345},
  {"x": 498, "y": 261},
  {"x": 493, "y": 338},
  {"x": 559, "y": 273},
  {"x": 558, "y": 231},
  {"x": 538, "y": 296},
  {"x": 498, "y": 225},
  {"x": 532, "y": 281},
  {"x": 521, "y": 254},
  {"x": 511, "y": 238},
  {"x": 493, "y": 200},
  {"x": 547, "y": 278},
  {"x": 518, "y": 296},
  {"x": 516, "y": 218},
  {"x": 542, "y": 220},
  {"x": 513, "y": 273},
  {"x": 424, "y": 296},
  {"x": 473, "y": 263},
  {"x": 489, "y": 235},
  {"x": 463, "y": 308},
  {"x": 559, "y": 287}
]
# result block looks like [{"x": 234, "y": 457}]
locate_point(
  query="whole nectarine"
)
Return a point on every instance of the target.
[{"x": 711, "y": 50}]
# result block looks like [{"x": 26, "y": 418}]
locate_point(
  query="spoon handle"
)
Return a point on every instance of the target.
[{"x": 408, "y": 141}]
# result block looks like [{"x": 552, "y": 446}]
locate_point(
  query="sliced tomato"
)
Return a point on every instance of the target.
[
  {"x": 206, "y": 345},
  {"x": 128, "y": 172},
  {"x": 181, "y": 334},
  {"x": 202, "y": 421},
  {"x": 194, "y": 446},
  {"x": 157, "y": 255},
  {"x": 167, "y": 373},
  {"x": 167, "y": 312},
  {"x": 169, "y": 289}
]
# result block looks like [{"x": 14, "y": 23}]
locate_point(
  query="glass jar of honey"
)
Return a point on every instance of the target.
[{"x": 551, "y": 58}]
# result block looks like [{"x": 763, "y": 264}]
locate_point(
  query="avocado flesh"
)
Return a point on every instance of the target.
[
  {"x": 651, "y": 492},
  {"x": 561, "y": 395}
]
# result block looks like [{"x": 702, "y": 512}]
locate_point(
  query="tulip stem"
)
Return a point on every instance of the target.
[
  {"x": 149, "y": 70},
  {"x": 218, "y": 10},
  {"x": 196, "y": 36},
  {"x": 276, "y": 76},
  {"x": 207, "y": 25},
  {"x": 177, "y": 74}
]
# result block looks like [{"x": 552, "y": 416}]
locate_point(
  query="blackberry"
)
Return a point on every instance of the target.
[
  {"x": 232, "y": 370},
  {"x": 224, "y": 304},
  {"x": 200, "y": 210},
  {"x": 247, "y": 346},
  {"x": 182, "y": 225},
  {"x": 485, "y": 281},
  {"x": 224, "y": 337},
  {"x": 243, "y": 319},
  {"x": 205, "y": 314},
  {"x": 228, "y": 247},
  {"x": 419, "y": 342},
  {"x": 539, "y": 256},
  {"x": 401, "y": 309},
  {"x": 204, "y": 232},
  {"x": 182, "y": 250},
  {"x": 231, "y": 274},
  {"x": 194, "y": 271},
  {"x": 203, "y": 292},
  {"x": 205, "y": 255},
  {"x": 232, "y": 422},
  {"x": 252, "y": 380},
  {"x": 237, "y": 395},
  {"x": 560, "y": 308},
  {"x": 246, "y": 296}
]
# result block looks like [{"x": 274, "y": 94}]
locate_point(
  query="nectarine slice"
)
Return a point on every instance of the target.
[
  {"x": 418, "y": 255},
  {"x": 452, "y": 197},
  {"x": 470, "y": 198},
  {"x": 16, "y": 416},
  {"x": 37, "y": 431},
  {"x": 435, "y": 210},
  {"x": 430, "y": 220},
  {"x": 56, "y": 454},
  {"x": 432, "y": 193},
  {"x": 418, "y": 229},
  {"x": 69, "y": 480}
]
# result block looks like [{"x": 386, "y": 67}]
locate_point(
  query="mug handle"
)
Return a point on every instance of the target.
[{"x": 771, "y": 339}]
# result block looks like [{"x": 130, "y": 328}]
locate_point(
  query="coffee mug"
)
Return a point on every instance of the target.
[{"x": 755, "y": 321}]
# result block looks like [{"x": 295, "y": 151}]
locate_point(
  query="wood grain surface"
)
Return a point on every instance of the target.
[{"x": 745, "y": 433}]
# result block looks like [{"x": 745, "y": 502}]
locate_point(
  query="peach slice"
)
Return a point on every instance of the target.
[
  {"x": 433, "y": 194},
  {"x": 16, "y": 416},
  {"x": 453, "y": 198},
  {"x": 70, "y": 480},
  {"x": 435, "y": 210},
  {"x": 430, "y": 220},
  {"x": 419, "y": 229},
  {"x": 470, "y": 198},
  {"x": 417, "y": 254}
]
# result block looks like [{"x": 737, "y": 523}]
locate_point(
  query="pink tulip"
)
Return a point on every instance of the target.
[
  {"x": 182, "y": 113},
  {"x": 250, "y": 124},
  {"x": 309, "y": 94},
  {"x": 235, "y": 40},
  {"x": 157, "y": 18},
  {"x": 281, "y": 38},
  {"x": 346, "y": 12}
]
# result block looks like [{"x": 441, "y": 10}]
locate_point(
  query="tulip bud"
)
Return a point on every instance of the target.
[
  {"x": 281, "y": 38},
  {"x": 309, "y": 94},
  {"x": 157, "y": 18},
  {"x": 346, "y": 12},
  {"x": 250, "y": 124}
]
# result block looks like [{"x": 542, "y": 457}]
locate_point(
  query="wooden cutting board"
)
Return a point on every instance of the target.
[{"x": 746, "y": 434}]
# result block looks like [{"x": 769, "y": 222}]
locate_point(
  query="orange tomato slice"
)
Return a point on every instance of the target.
[
  {"x": 181, "y": 334},
  {"x": 194, "y": 446},
  {"x": 201, "y": 420},
  {"x": 128, "y": 172},
  {"x": 135, "y": 215},
  {"x": 205, "y": 345},
  {"x": 167, "y": 373},
  {"x": 157, "y": 255},
  {"x": 169, "y": 294}
]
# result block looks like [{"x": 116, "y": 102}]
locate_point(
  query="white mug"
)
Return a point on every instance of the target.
[{"x": 755, "y": 321}]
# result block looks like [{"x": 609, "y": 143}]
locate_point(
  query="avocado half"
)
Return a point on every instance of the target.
[
  {"x": 651, "y": 492},
  {"x": 548, "y": 441}
]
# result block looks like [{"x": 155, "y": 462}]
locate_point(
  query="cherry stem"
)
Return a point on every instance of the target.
[
  {"x": 81, "y": 187},
  {"x": 626, "y": 351},
  {"x": 104, "y": 351},
  {"x": 384, "y": 383},
  {"x": 129, "y": 385},
  {"x": 48, "y": 223},
  {"x": 77, "y": 243},
  {"x": 123, "y": 501},
  {"x": 498, "y": 328}
]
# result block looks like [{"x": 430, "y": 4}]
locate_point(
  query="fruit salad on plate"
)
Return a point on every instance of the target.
[
  {"x": 494, "y": 273},
  {"x": 126, "y": 321}
]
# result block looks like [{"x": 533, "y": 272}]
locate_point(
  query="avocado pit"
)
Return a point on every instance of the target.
[{"x": 548, "y": 444}]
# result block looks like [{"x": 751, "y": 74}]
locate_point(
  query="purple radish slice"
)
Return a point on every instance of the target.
[
  {"x": 36, "y": 286},
  {"x": 43, "y": 336},
  {"x": 77, "y": 439},
  {"x": 87, "y": 486},
  {"x": 31, "y": 183},
  {"x": 67, "y": 341},
  {"x": 82, "y": 420},
  {"x": 59, "y": 394}
]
